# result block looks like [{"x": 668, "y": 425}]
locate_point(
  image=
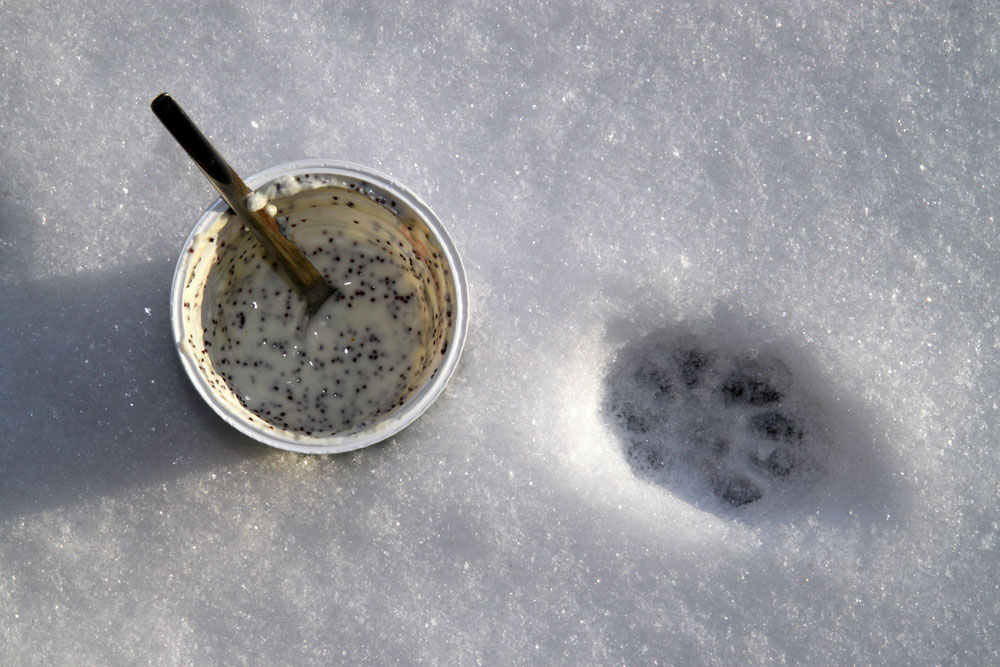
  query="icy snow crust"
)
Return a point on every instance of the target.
[{"x": 803, "y": 196}]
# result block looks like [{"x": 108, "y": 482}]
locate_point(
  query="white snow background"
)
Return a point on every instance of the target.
[{"x": 812, "y": 181}]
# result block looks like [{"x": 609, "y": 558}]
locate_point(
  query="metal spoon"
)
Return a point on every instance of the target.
[{"x": 309, "y": 283}]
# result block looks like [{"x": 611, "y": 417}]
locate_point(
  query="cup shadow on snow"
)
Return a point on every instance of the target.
[
  {"x": 744, "y": 424},
  {"x": 95, "y": 397}
]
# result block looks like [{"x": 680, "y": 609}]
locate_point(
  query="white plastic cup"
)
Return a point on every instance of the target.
[{"x": 198, "y": 257}]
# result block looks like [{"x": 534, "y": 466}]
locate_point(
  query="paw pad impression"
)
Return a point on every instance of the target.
[{"x": 709, "y": 417}]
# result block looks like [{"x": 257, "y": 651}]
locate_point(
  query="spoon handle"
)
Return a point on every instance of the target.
[{"x": 303, "y": 275}]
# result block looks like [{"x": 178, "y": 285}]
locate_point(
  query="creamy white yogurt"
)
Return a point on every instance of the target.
[{"x": 367, "y": 350}]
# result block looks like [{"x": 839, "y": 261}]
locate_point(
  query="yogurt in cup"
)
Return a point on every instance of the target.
[{"x": 371, "y": 360}]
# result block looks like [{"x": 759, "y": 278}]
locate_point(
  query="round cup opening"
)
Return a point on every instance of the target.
[{"x": 371, "y": 360}]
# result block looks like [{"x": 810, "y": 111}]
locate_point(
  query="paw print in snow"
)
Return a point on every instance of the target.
[{"x": 696, "y": 414}]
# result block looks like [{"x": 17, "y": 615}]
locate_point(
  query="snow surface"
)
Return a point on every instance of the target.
[{"x": 814, "y": 181}]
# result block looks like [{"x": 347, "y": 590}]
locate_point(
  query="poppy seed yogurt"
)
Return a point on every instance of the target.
[{"x": 378, "y": 345}]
